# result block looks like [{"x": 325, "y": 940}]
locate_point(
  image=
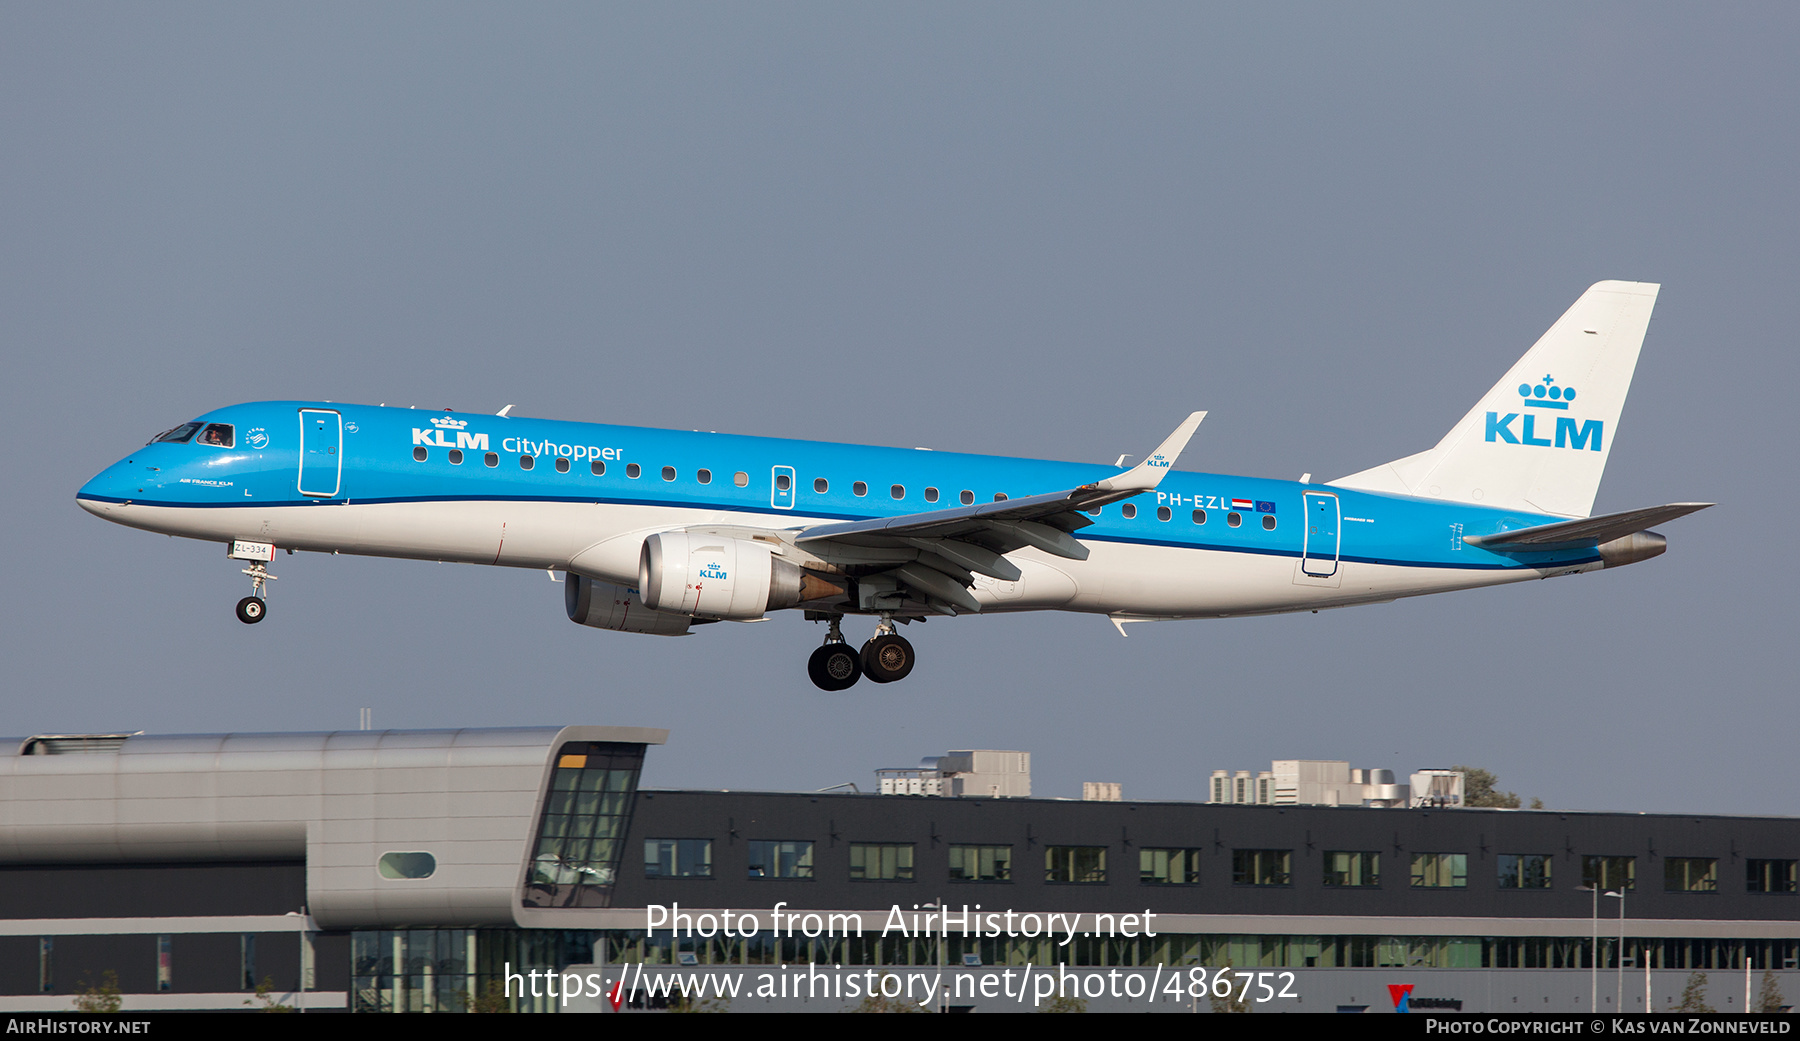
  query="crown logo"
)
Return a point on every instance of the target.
[
  {"x": 1546, "y": 394},
  {"x": 444, "y": 423}
]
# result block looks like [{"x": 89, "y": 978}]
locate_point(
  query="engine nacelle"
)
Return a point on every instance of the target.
[
  {"x": 606, "y": 606},
  {"x": 714, "y": 576}
]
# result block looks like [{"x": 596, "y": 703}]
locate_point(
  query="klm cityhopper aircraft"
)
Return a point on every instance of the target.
[{"x": 659, "y": 530}]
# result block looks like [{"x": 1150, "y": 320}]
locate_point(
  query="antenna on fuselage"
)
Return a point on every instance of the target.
[{"x": 503, "y": 412}]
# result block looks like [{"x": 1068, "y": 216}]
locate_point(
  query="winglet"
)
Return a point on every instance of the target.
[{"x": 1149, "y": 473}]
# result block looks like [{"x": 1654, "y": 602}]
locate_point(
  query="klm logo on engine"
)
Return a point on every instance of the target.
[
  {"x": 1568, "y": 432},
  {"x": 712, "y": 571},
  {"x": 464, "y": 439}
]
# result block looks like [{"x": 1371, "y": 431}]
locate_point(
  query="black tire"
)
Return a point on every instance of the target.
[
  {"x": 834, "y": 667},
  {"x": 886, "y": 659},
  {"x": 251, "y": 610}
]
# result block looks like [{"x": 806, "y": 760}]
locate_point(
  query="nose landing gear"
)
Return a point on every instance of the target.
[{"x": 254, "y": 607}]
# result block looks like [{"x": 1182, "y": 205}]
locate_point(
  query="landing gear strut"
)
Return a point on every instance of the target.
[
  {"x": 834, "y": 666},
  {"x": 254, "y": 607}
]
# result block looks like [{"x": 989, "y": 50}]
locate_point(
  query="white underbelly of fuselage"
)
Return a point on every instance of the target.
[{"x": 603, "y": 541}]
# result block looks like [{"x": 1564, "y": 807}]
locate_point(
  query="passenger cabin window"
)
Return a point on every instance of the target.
[
  {"x": 1162, "y": 513},
  {"x": 999, "y": 496},
  {"x": 1268, "y": 522},
  {"x": 598, "y": 467},
  {"x": 1129, "y": 510},
  {"x": 968, "y": 497},
  {"x": 741, "y": 479},
  {"x": 931, "y": 495},
  {"x": 1199, "y": 516},
  {"x": 218, "y": 435},
  {"x": 898, "y": 491},
  {"x": 783, "y": 482},
  {"x": 821, "y": 485},
  {"x": 860, "y": 488},
  {"x": 632, "y": 470},
  {"x": 668, "y": 473},
  {"x": 456, "y": 457},
  {"x": 526, "y": 462},
  {"x": 491, "y": 459},
  {"x": 1234, "y": 518},
  {"x": 562, "y": 466},
  {"x": 703, "y": 476},
  {"x": 179, "y": 435},
  {"x": 419, "y": 454}
]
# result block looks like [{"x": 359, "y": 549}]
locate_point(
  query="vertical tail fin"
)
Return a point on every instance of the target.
[{"x": 1539, "y": 439}]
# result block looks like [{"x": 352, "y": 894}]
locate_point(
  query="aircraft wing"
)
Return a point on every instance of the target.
[
  {"x": 949, "y": 547},
  {"x": 1583, "y": 531}
]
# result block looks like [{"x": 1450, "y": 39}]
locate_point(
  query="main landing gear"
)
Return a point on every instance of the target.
[{"x": 885, "y": 658}]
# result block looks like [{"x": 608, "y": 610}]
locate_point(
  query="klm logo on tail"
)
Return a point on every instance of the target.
[{"x": 1569, "y": 432}]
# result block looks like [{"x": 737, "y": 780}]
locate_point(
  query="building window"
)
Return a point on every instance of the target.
[
  {"x": 1080, "y": 864},
  {"x": 1169, "y": 867},
  {"x": 781, "y": 859},
  {"x": 1609, "y": 872},
  {"x": 1352, "y": 870},
  {"x": 981, "y": 863},
  {"x": 581, "y": 838},
  {"x": 406, "y": 865},
  {"x": 46, "y": 948},
  {"x": 562, "y": 466},
  {"x": 419, "y": 455},
  {"x": 1524, "y": 870},
  {"x": 1690, "y": 875},
  {"x": 1772, "y": 876},
  {"x": 1440, "y": 870},
  {"x": 704, "y": 476},
  {"x": 1129, "y": 510},
  {"x": 1262, "y": 867},
  {"x": 678, "y": 858},
  {"x": 165, "y": 962},
  {"x": 821, "y": 485},
  {"x": 881, "y": 862},
  {"x": 247, "y": 961},
  {"x": 860, "y": 489}
]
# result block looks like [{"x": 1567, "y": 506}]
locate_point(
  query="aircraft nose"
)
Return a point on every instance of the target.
[{"x": 108, "y": 490}]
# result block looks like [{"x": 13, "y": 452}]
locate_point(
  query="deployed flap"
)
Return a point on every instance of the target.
[
  {"x": 1540, "y": 438},
  {"x": 1595, "y": 530}
]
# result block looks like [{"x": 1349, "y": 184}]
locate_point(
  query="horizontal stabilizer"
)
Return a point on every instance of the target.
[{"x": 1596, "y": 530}]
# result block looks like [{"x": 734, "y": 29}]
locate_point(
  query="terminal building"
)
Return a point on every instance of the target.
[{"x": 447, "y": 871}]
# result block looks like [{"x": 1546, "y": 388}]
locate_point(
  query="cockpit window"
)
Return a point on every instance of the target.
[
  {"x": 179, "y": 435},
  {"x": 219, "y": 435}
]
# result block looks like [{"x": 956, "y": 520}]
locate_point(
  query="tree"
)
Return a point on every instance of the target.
[
  {"x": 1235, "y": 1001},
  {"x": 1479, "y": 790},
  {"x": 491, "y": 999},
  {"x": 265, "y": 995},
  {"x": 1770, "y": 999},
  {"x": 1693, "y": 996},
  {"x": 102, "y": 998}
]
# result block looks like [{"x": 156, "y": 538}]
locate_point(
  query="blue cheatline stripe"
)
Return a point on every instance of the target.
[{"x": 1213, "y": 547}]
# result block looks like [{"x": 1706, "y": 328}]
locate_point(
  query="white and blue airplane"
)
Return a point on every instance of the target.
[{"x": 659, "y": 530}]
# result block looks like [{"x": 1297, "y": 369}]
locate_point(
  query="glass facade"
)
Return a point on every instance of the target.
[
  {"x": 981, "y": 863},
  {"x": 1169, "y": 867},
  {"x": 1352, "y": 869},
  {"x": 1440, "y": 870},
  {"x": 1524, "y": 870},
  {"x": 1262, "y": 867},
  {"x": 582, "y": 833},
  {"x": 1082, "y": 864},
  {"x": 781, "y": 859}
]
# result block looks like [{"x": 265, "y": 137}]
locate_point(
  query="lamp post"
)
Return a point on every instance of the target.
[{"x": 1620, "y": 1000}]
